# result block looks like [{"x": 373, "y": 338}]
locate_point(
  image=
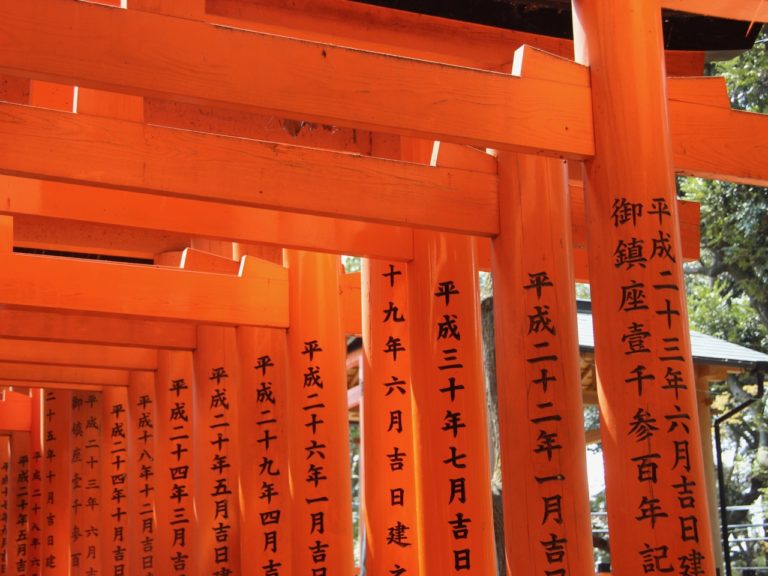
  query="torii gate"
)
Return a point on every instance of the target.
[{"x": 185, "y": 412}]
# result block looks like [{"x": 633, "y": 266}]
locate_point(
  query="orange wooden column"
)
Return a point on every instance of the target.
[
  {"x": 86, "y": 532},
  {"x": 541, "y": 418},
  {"x": 117, "y": 557},
  {"x": 389, "y": 492},
  {"x": 18, "y": 528},
  {"x": 216, "y": 488},
  {"x": 5, "y": 467},
  {"x": 36, "y": 484},
  {"x": 76, "y": 445},
  {"x": 55, "y": 518},
  {"x": 263, "y": 438},
  {"x": 141, "y": 443},
  {"x": 449, "y": 393},
  {"x": 317, "y": 410},
  {"x": 176, "y": 523},
  {"x": 76, "y": 468},
  {"x": 655, "y": 485}
]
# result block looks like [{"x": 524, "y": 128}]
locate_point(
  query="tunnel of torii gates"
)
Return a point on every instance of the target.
[{"x": 183, "y": 410}]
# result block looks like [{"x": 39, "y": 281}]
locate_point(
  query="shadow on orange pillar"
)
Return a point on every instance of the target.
[
  {"x": 217, "y": 380},
  {"x": 541, "y": 416},
  {"x": 389, "y": 493},
  {"x": 263, "y": 443},
  {"x": 175, "y": 515},
  {"x": 36, "y": 484},
  {"x": 18, "y": 527},
  {"x": 655, "y": 483},
  {"x": 5, "y": 467},
  {"x": 116, "y": 555},
  {"x": 317, "y": 409},
  {"x": 87, "y": 408},
  {"x": 449, "y": 391},
  {"x": 141, "y": 450},
  {"x": 55, "y": 556},
  {"x": 85, "y": 483}
]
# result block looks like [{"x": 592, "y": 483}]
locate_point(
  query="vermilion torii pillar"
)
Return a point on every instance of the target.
[
  {"x": 655, "y": 487},
  {"x": 389, "y": 484},
  {"x": 319, "y": 442},
  {"x": 263, "y": 441},
  {"x": 216, "y": 469},
  {"x": 453, "y": 472},
  {"x": 541, "y": 418}
]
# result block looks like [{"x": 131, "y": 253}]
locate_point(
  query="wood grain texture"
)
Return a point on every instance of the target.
[
  {"x": 258, "y": 296},
  {"x": 119, "y": 154},
  {"x": 91, "y": 46}
]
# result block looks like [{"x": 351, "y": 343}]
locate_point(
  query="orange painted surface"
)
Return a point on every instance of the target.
[
  {"x": 36, "y": 484},
  {"x": 124, "y": 289},
  {"x": 655, "y": 485},
  {"x": 15, "y": 412},
  {"x": 55, "y": 505},
  {"x": 18, "y": 518},
  {"x": 317, "y": 409},
  {"x": 110, "y": 104},
  {"x": 541, "y": 417},
  {"x": 263, "y": 442},
  {"x": 72, "y": 327},
  {"x": 117, "y": 556},
  {"x": 449, "y": 394},
  {"x": 176, "y": 521},
  {"x": 130, "y": 155},
  {"x": 357, "y": 87},
  {"x": 5, "y": 493},
  {"x": 142, "y": 446},
  {"x": 89, "y": 494},
  {"x": 389, "y": 494},
  {"x": 749, "y": 10},
  {"x": 216, "y": 475}
]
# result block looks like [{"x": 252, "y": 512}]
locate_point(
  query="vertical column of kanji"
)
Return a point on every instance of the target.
[
  {"x": 317, "y": 409},
  {"x": 541, "y": 420},
  {"x": 115, "y": 482},
  {"x": 18, "y": 528},
  {"x": 449, "y": 407},
  {"x": 173, "y": 463},
  {"x": 5, "y": 460},
  {"x": 56, "y": 482},
  {"x": 141, "y": 505},
  {"x": 36, "y": 483},
  {"x": 77, "y": 446},
  {"x": 655, "y": 486},
  {"x": 391, "y": 529},
  {"x": 217, "y": 379},
  {"x": 92, "y": 495},
  {"x": 263, "y": 439}
]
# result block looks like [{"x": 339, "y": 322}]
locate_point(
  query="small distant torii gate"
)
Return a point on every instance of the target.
[{"x": 182, "y": 409}]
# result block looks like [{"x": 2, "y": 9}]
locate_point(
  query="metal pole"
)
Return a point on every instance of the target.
[{"x": 759, "y": 370}]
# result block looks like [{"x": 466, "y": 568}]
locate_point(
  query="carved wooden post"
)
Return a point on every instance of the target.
[{"x": 655, "y": 486}]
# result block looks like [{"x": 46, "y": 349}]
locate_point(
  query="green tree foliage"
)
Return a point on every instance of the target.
[{"x": 728, "y": 298}]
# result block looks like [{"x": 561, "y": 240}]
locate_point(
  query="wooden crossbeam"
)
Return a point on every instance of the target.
[
  {"x": 89, "y": 45},
  {"x": 257, "y": 296},
  {"x": 36, "y": 375},
  {"x": 185, "y": 218},
  {"x": 749, "y": 10},
  {"x": 102, "y": 151},
  {"x": 90, "y": 329},
  {"x": 402, "y": 33},
  {"x": 709, "y": 139},
  {"x": 21, "y": 386},
  {"x": 83, "y": 355},
  {"x": 716, "y": 142}
]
